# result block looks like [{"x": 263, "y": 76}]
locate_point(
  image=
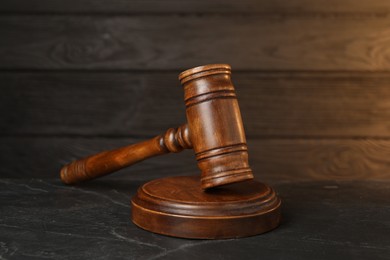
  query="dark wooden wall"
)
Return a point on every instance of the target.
[{"x": 312, "y": 77}]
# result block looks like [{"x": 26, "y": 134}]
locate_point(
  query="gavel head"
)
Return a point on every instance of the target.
[{"x": 215, "y": 125}]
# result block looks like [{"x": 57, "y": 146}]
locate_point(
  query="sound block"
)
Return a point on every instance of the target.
[{"x": 177, "y": 206}]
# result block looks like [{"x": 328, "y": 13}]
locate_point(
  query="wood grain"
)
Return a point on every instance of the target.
[
  {"x": 214, "y": 130},
  {"x": 95, "y": 103},
  {"x": 176, "y": 206},
  {"x": 215, "y": 126},
  {"x": 320, "y": 159},
  {"x": 271, "y": 159},
  {"x": 150, "y": 42},
  {"x": 146, "y": 104},
  {"x": 193, "y": 6},
  {"x": 25, "y": 157},
  {"x": 103, "y": 68},
  {"x": 109, "y": 161}
]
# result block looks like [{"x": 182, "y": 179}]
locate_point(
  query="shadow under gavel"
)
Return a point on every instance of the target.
[{"x": 214, "y": 130}]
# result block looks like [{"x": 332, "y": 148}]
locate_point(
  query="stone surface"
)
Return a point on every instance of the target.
[{"x": 44, "y": 219}]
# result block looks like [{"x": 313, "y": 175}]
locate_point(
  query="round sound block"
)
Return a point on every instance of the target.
[{"x": 177, "y": 206}]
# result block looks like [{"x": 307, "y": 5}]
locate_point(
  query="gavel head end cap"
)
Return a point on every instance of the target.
[{"x": 203, "y": 71}]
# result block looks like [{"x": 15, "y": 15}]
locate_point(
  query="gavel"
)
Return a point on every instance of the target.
[
  {"x": 187, "y": 206},
  {"x": 214, "y": 130}
]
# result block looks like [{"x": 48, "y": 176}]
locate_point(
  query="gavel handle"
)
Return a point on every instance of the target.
[{"x": 174, "y": 140}]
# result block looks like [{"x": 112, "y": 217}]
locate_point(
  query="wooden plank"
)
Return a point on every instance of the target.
[
  {"x": 146, "y": 104},
  {"x": 90, "y": 103},
  {"x": 317, "y": 105},
  {"x": 150, "y": 42},
  {"x": 193, "y": 6},
  {"x": 271, "y": 159}
]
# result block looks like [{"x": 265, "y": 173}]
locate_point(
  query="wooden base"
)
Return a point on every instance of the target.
[{"x": 177, "y": 206}]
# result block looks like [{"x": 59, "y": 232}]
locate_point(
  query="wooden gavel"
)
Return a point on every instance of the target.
[{"x": 214, "y": 130}]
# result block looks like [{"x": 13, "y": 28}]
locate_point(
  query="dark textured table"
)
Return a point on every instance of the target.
[{"x": 43, "y": 218}]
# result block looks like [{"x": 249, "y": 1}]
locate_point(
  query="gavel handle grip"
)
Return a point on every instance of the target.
[{"x": 174, "y": 140}]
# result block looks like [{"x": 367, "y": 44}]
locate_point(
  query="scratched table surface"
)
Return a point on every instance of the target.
[{"x": 44, "y": 219}]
